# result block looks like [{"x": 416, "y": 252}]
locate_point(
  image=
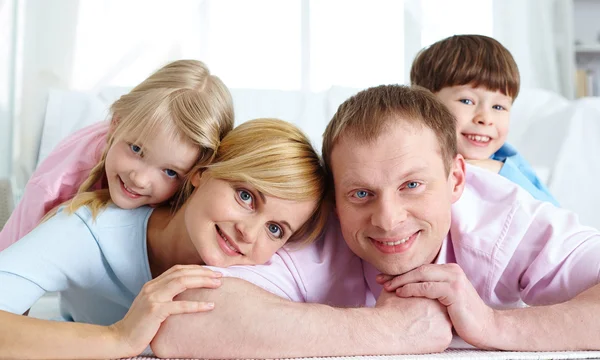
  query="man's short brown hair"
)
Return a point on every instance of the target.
[
  {"x": 475, "y": 60},
  {"x": 366, "y": 115}
]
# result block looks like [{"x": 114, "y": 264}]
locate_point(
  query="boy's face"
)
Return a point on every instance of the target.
[{"x": 482, "y": 119}]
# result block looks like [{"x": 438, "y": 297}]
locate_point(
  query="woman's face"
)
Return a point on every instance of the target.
[{"x": 235, "y": 224}]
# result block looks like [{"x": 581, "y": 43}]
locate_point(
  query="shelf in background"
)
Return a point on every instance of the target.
[{"x": 587, "y": 48}]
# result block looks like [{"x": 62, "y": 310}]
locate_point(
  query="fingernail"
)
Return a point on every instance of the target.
[
  {"x": 217, "y": 274},
  {"x": 387, "y": 284},
  {"x": 210, "y": 305},
  {"x": 216, "y": 281}
]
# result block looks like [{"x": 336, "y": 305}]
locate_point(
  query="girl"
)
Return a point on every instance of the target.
[
  {"x": 266, "y": 187},
  {"x": 181, "y": 111}
]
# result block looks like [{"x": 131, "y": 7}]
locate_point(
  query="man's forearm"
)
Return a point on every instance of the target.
[
  {"x": 573, "y": 325},
  {"x": 249, "y": 322}
]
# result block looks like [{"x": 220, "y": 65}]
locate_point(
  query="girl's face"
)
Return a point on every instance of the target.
[
  {"x": 149, "y": 173},
  {"x": 235, "y": 224}
]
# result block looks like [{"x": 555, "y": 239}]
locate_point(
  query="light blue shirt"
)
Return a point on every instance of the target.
[
  {"x": 518, "y": 170},
  {"x": 98, "y": 266}
]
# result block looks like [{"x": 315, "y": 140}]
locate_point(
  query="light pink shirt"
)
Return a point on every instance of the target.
[
  {"x": 56, "y": 180},
  {"x": 513, "y": 249}
]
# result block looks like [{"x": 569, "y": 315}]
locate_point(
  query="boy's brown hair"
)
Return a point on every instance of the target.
[
  {"x": 369, "y": 113},
  {"x": 475, "y": 60}
]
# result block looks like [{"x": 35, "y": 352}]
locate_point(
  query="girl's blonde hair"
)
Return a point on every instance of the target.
[
  {"x": 277, "y": 159},
  {"x": 181, "y": 98}
]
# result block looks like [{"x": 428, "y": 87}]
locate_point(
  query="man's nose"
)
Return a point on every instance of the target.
[{"x": 389, "y": 212}]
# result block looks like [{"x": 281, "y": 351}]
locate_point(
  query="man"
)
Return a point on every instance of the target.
[{"x": 468, "y": 240}]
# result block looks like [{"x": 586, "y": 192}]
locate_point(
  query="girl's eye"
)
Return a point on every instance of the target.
[
  {"x": 276, "y": 231},
  {"x": 466, "y": 101},
  {"x": 171, "y": 173},
  {"x": 498, "y": 107},
  {"x": 412, "y": 185},
  {"x": 361, "y": 194},
  {"x": 136, "y": 149},
  {"x": 246, "y": 197}
]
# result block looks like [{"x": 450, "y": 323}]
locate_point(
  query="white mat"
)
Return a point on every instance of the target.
[{"x": 465, "y": 354}]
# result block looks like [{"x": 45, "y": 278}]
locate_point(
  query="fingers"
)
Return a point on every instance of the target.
[
  {"x": 383, "y": 278},
  {"x": 177, "y": 285},
  {"x": 186, "y": 307},
  {"x": 191, "y": 270},
  {"x": 178, "y": 279},
  {"x": 425, "y": 273},
  {"x": 440, "y": 291}
]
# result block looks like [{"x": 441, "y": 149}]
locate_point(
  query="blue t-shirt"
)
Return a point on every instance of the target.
[
  {"x": 518, "y": 170},
  {"x": 98, "y": 266}
]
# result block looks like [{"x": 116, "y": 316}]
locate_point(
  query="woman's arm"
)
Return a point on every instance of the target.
[{"x": 22, "y": 337}]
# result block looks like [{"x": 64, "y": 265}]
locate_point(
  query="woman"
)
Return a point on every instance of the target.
[{"x": 265, "y": 188}]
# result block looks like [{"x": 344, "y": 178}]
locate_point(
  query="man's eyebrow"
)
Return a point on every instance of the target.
[
  {"x": 353, "y": 180},
  {"x": 264, "y": 200}
]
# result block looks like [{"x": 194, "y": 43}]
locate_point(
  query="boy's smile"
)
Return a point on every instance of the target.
[{"x": 482, "y": 119}]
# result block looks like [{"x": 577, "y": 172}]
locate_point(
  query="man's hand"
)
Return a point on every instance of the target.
[
  {"x": 489, "y": 164},
  {"x": 420, "y": 321},
  {"x": 448, "y": 284}
]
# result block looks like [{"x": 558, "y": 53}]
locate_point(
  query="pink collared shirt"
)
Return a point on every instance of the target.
[
  {"x": 56, "y": 180},
  {"x": 513, "y": 249}
]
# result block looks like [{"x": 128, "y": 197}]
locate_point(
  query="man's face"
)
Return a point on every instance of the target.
[{"x": 393, "y": 196}]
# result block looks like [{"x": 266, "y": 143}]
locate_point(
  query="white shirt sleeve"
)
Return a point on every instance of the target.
[{"x": 58, "y": 254}]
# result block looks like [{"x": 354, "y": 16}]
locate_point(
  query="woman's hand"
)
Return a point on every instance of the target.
[{"x": 155, "y": 303}]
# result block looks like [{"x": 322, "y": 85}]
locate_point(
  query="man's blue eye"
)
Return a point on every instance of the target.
[
  {"x": 136, "y": 149},
  {"x": 361, "y": 194},
  {"x": 412, "y": 185},
  {"x": 171, "y": 173}
]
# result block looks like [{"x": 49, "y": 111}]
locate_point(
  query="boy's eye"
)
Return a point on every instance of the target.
[
  {"x": 276, "y": 231},
  {"x": 412, "y": 185},
  {"x": 171, "y": 173},
  {"x": 136, "y": 149},
  {"x": 466, "y": 101},
  {"x": 498, "y": 107},
  {"x": 246, "y": 197}
]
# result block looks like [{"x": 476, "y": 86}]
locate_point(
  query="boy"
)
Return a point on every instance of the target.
[{"x": 478, "y": 80}]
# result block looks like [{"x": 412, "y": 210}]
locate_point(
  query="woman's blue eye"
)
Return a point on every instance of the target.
[
  {"x": 412, "y": 185},
  {"x": 361, "y": 194},
  {"x": 245, "y": 196},
  {"x": 466, "y": 101},
  {"x": 276, "y": 230},
  {"x": 136, "y": 149},
  {"x": 171, "y": 173}
]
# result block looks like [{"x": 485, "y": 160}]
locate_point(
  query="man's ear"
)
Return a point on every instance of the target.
[{"x": 457, "y": 177}]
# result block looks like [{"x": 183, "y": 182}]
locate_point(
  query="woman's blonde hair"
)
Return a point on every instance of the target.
[
  {"x": 277, "y": 159},
  {"x": 184, "y": 100}
]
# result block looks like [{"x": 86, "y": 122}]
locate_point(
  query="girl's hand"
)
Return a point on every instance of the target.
[{"x": 155, "y": 303}]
